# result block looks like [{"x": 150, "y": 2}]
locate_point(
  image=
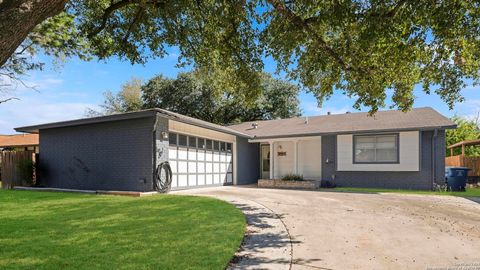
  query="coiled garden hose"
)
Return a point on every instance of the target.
[{"x": 163, "y": 178}]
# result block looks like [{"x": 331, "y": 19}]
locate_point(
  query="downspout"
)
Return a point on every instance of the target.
[{"x": 434, "y": 158}]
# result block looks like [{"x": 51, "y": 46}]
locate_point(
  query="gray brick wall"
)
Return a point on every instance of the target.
[
  {"x": 405, "y": 180},
  {"x": 105, "y": 156}
]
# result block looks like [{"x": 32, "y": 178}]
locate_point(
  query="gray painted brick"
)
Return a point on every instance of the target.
[
  {"x": 248, "y": 162},
  {"x": 404, "y": 180},
  {"x": 105, "y": 156}
]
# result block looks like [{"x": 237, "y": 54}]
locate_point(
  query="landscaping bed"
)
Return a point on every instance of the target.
[
  {"x": 279, "y": 183},
  {"x": 50, "y": 230}
]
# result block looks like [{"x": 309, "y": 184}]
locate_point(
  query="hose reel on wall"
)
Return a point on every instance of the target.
[{"x": 163, "y": 177}]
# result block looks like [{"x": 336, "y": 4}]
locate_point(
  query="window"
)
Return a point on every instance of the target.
[
  {"x": 229, "y": 147},
  {"x": 223, "y": 147},
  {"x": 209, "y": 144},
  {"x": 182, "y": 140},
  {"x": 201, "y": 143},
  {"x": 375, "y": 148},
  {"x": 172, "y": 138},
  {"x": 216, "y": 145},
  {"x": 192, "y": 142}
]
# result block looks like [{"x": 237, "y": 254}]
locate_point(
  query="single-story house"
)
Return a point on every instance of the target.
[
  {"x": 19, "y": 142},
  {"x": 392, "y": 149}
]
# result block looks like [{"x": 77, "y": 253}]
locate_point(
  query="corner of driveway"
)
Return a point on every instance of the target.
[{"x": 293, "y": 229}]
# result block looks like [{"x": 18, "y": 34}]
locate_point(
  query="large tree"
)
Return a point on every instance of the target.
[
  {"x": 128, "y": 99},
  {"x": 190, "y": 95},
  {"x": 362, "y": 48}
]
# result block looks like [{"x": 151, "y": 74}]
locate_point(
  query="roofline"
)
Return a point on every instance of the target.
[
  {"x": 85, "y": 121},
  {"x": 131, "y": 115},
  {"x": 368, "y": 131},
  {"x": 207, "y": 125},
  {"x": 18, "y": 145}
]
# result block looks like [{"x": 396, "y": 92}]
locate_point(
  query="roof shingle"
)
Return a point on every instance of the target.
[
  {"x": 416, "y": 119},
  {"x": 18, "y": 140}
]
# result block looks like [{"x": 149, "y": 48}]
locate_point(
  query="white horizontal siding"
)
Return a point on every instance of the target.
[
  {"x": 409, "y": 147},
  {"x": 183, "y": 128}
]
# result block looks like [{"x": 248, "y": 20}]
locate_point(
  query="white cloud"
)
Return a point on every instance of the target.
[{"x": 30, "y": 111}]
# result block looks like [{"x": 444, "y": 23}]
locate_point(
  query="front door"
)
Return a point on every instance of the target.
[{"x": 265, "y": 161}]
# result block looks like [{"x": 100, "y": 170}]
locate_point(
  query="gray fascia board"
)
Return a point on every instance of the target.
[
  {"x": 352, "y": 132},
  {"x": 86, "y": 121}
]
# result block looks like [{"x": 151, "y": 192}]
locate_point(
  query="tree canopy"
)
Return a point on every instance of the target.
[
  {"x": 361, "y": 48},
  {"x": 466, "y": 130},
  {"x": 190, "y": 95}
]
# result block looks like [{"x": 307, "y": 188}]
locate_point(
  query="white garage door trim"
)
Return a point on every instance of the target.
[{"x": 197, "y": 161}]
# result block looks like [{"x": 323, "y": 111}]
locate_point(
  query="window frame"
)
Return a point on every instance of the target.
[{"x": 397, "y": 146}]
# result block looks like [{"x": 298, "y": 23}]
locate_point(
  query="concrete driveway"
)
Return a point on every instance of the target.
[{"x": 334, "y": 230}]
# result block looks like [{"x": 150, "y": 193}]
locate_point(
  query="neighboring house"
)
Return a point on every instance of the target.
[
  {"x": 121, "y": 152},
  {"x": 19, "y": 142}
]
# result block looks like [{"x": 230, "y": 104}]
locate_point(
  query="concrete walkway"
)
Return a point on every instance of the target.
[
  {"x": 337, "y": 230},
  {"x": 267, "y": 243}
]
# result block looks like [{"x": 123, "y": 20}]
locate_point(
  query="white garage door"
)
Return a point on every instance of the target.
[{"x": 198, "y": 161}]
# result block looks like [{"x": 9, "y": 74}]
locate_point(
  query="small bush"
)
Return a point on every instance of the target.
[
  {"x": 293, "y": 177},
  {"x": 25, "y": 170}
]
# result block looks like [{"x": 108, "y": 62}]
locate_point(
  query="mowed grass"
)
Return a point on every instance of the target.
[
  {"x": 47, "y": 230},
  {"x": 470, "y": 192}
]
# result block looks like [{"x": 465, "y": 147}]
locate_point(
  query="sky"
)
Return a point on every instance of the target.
[{"x": 66, "y": 92}]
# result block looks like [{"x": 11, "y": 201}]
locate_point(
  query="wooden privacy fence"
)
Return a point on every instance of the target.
[
  {"x": 9, "y": 165},
  {"x": 472, "y": 163}
]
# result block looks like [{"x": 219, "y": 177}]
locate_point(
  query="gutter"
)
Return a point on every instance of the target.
[{"x": 348, "y": 132}]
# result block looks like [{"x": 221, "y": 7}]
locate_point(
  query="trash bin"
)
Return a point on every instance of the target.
[{"x": 456, "y": 178}]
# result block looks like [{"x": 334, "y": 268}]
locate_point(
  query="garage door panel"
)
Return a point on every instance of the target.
[
  {"x": 209, "y": 179},
  {"x": 182, "y": 180},
  {"x": 209, "y": 168},
  {"x": 216, "y": 157},
  {"x": 192, "y": 167},
  {"x": 201, "y": 179},
  {"x": 182, "y": 154},
  {"x": 182, "y": 167},
  {"x": 172, "y": 153},
  {"x": 174, "y": 181},
  {"x": 198, "y": 161},
  {"x": 201, "y": 167},
  {"x": 192, "y": 179},
  {"x": 192, "y": 154}
]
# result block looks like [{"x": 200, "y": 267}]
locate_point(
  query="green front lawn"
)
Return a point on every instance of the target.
[
  {"x": 470, "y": 192},
  {"x": 47, "y": 230}
]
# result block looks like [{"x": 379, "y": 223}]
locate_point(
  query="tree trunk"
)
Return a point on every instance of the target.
[{"x": 19, "y": 17}]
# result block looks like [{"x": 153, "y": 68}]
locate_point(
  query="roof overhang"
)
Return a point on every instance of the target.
[
  {"x": 316, "y": 135},
  {"x": 132, "y": 115}
]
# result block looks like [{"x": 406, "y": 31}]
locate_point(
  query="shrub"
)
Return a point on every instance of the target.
[
  {"x": 25, "y": 170},
  {"x": 293, "y": 177}
]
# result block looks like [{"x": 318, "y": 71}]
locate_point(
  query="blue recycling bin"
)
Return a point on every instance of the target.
[{"x": 456, "y": 178}]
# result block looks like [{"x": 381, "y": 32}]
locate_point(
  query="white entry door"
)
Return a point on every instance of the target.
[{"x": 197, "y": 161}]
